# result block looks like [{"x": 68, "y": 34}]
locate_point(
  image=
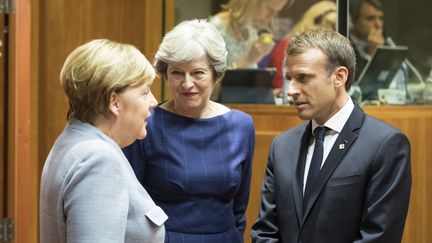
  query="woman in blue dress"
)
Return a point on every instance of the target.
[{"x": 196, "y": 160}]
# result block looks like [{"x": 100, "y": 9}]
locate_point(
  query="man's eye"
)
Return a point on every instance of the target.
[{"x": 301, "y": 78}]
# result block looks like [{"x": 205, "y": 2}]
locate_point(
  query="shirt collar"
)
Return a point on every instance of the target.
[
  {"x": 338, "y": 120},
  {"x": 361, "y": 47}
]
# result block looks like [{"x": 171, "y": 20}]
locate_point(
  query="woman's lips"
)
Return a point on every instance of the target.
[{"x": 189, "y": 94}]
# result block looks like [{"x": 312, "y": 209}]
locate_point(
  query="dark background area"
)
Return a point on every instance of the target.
[{"x": 409, "y": 22}]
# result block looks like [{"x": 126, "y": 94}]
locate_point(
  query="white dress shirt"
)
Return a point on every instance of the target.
[{"x": 335, "y": 124}]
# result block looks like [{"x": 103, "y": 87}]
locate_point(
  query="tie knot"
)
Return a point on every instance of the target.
[{"x": 319, "y": 133}]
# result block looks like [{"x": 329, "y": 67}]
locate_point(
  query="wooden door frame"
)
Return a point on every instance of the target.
[
  {"x": 168, "y": 24},
  {"x": 154, "y": 18},
  {"x": 3, "y": 130},
  {"x": 23, "y": 181}
]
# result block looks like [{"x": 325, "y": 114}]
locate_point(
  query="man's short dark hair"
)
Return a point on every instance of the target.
[
  {"x": 355, "y": 6},
  {"x": 336, "y": 47}
]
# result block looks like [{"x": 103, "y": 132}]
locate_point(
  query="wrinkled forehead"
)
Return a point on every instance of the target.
[{"x": 306, "y": 57}]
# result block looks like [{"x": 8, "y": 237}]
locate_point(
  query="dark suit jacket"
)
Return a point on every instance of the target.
[{"x": 361, "y": 194}]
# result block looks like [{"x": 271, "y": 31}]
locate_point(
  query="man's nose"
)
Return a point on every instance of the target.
[
  {"x": 292, "y": 89},
  {"x": 379, "y": 22}
]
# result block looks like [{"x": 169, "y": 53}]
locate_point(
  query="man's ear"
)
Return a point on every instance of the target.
[
  {"x": 114, "y": 104},
  {"x": 341, "y": 76}
]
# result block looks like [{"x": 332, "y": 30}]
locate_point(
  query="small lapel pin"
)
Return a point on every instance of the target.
[{"x": 342, "y": 145}]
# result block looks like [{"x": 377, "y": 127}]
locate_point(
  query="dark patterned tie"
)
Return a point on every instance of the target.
[{"x": 315, "y": 165}]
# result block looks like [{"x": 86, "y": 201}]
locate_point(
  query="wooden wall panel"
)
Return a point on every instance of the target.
[
  {"x": 414, "y": 121},
  {"x": 169, "y": 20},
  {"x": 42, "y": 34},
  {"x": 22, "y": 172},
  {"x": 2, "y": 117},
  {"x": 262, "y": 145},
  {"x": 64, "y": 25}
]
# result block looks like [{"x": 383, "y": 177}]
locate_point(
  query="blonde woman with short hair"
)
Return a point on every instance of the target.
[{"x": 89, "y": 192}]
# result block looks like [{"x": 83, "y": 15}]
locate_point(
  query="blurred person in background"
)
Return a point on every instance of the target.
[
  {"x": 367, "y": 29},
  {"x": 320, "y": 15},
  {"x": 246, "y": 28},
  {"x": 366, "y": 34}
]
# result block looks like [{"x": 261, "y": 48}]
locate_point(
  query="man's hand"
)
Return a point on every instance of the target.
[{"x": 375, "y": 38}]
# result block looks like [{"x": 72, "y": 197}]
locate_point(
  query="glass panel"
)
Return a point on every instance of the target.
[
  {"x": 256, "y": 39},
  {"x": 405, "y": 23},
  {"x": 376, "y": 27}
]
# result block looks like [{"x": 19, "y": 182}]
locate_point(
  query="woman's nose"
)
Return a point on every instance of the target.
[{"x": 188, "y": 81}]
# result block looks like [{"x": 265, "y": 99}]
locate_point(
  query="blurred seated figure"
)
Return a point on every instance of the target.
[
  {"x": 245, "y": 27},
  {"x": 320, "y": 15},
  {"x": 366, "y": 32}
]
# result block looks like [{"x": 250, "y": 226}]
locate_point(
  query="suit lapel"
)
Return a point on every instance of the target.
[
  {"x": 341, "y": 146},
  {"x": 299, "y": 172}
]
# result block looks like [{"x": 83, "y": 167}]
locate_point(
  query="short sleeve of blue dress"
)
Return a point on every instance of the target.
[{"x": 198, "y": 171}]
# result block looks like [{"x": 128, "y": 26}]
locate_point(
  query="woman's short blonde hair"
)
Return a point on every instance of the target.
[
  {"x": 243, "y": 11},
  {"x": 189, "y": 41},
  {"x": 312, "y": 17},
  {"x": 93, "y": 71}
]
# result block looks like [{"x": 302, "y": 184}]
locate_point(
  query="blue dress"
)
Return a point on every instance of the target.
[{"x": 198, "y": 171}]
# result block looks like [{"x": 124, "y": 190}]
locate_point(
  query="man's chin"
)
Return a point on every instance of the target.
[{"x": 303, "y": 115}]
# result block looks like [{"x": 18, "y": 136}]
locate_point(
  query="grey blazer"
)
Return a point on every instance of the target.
[
  {"x": 89, "y": 193},
  {"x": 361, "y": 194}
]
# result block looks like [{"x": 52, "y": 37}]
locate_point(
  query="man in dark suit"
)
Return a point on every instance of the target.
[{"x": 360, "y": 190}]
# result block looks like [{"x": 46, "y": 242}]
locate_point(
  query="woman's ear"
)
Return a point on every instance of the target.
[
  {"x": 341, "y": 76},
  {"x": 114, "y": 104}
]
